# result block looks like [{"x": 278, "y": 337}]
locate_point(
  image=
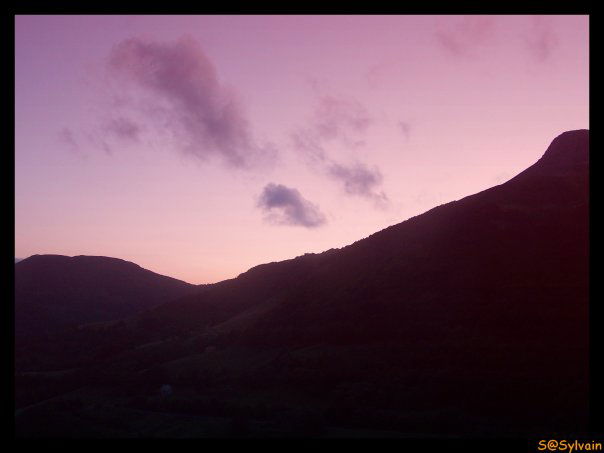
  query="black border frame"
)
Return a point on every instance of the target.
[{"x": 596, "y": 427}]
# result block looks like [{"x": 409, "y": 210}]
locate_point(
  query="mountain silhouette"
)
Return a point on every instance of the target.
[
  {"x": 471, "y": 318},
  {"x": 54, "y": 291},
  {"x": 529, "y": 234}
]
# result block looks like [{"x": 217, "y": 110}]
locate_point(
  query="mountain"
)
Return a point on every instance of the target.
[
  {"x": 529, "y": 235},
  {"x": 470, "y": 319},
  {"x": 53, "y": 292}
]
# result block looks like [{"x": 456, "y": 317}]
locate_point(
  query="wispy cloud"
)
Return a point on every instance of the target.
[
  {"x": 342, "y": 121},
  {"x": 124, "y": 128},
  {"x": 468, "y": 36},
  {"x": 66, "y": 137},
  {"x": 334, "y": 119},
  {"x": 358, "y": 179},
  {"x": 405, "y": 128},
  {"x": 337, "y": 117},
  {"x": 182, "y": 83},
  {"x": 542, "y": 39},
  {"x": 286, "y": 206},
  {"x": 465, "y": 36}
]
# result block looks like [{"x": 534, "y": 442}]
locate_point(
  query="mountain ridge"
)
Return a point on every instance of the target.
[
  {"x": 450, "y": 321},
  {"x": 528, "y": 184},
  {"x": 55, "y": 291},
  {"x": 554, "y": 153}
]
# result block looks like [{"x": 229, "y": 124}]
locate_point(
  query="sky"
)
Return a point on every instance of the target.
[{"x": 201, "y": 146}]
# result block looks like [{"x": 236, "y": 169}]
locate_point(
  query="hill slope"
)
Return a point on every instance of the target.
[{"x": 529, "y": 234}]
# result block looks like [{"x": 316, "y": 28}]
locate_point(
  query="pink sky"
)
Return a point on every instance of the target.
[{"x": 200, "y": 146}]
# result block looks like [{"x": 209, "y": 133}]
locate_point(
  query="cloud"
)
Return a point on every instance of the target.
[
  {"x": 376, "y": 73},
  {"x": 337, "y": 117},
  {"x": 307, "y": 143},
  {"x": 405, "y": 128},
  {"x": 542, "y": 40},
  {"x": 464, "y": 37},
  {"x": 359, "y": 180},
  {"x": 124, "y": 128},
  {"x": 182, "y": 84},
  {"x": 471, "y": 34},
  {"x": 67, "y": 138},
  {"x": 334, "y": 118},
  {"x": 342, "y": 121},
  {"x": 286, "y": 206}
]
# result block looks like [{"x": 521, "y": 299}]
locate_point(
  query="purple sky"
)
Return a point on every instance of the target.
[{"x": 199, "y": 146}]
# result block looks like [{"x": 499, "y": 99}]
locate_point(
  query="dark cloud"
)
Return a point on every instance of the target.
[
  {"x": 465, "y": 36},
  {"x": 203, "y": 113},
  {"x": 286, "y": 206},
  {"x": 542, "y": 39},
  {"x": 359, "y": 180}
]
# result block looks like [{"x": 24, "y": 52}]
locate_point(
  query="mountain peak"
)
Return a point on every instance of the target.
[{"x": 571, "y": 148}]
